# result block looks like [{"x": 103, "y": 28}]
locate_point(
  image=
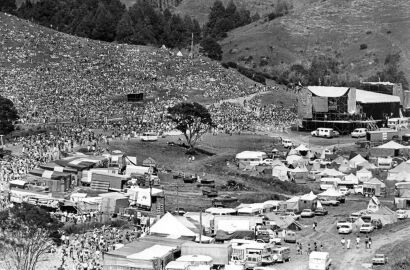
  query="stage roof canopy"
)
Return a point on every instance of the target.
[
  {"x": 373, "y": 97},
  {"x": 328, "y": 91}
]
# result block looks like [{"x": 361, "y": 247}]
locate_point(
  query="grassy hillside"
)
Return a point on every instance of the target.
[{"x": 333, "y": 27}]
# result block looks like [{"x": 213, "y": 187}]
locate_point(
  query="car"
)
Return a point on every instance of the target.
[
  {"x": 289, "y": 213},
  {"x": 179, "y": 212},
  {"x": 366, "y": 228},
  {"x": 307, "y": 213},
  {"x": 320, "y": 212},
  {"x": 355, "y": 216},
  {"x": 343, "y": 222},
  {"x": 327, "y": 201},
  {"x": 402, "y": 214},
  {"x": 267, "y": 162},
  {"x": 345, "y": 229},
  {"x": 325, "y": 132},
  {"x": 359, "y": 133},
  {"x": 379, "y": 259}
]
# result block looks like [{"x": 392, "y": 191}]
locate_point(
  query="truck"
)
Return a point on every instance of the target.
[
  {"x": 319, "y": 261},
  {"x": 377, "y": 137},
  {"x": 252, "y": 254},
  {"x": 220, "y": 253}
]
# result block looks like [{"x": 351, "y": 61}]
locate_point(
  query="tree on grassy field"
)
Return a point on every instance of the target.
[
  {"x": 192, "y": 119},
  {"x": 27, "y": 232},
  {"x": 8, "y": 114}
]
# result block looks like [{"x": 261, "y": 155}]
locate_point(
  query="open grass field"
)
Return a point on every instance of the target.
[{"x": 334, "y": 28}]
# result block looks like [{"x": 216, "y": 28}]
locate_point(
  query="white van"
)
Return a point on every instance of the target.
[
  {"x": 325, "y": 132},
  {"x": 281, "y": 254},
  {"x": 319, "y": 261},
  {"x": 398, "y": 123}
]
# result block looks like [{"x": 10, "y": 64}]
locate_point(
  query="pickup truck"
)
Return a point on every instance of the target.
[{"x": 325, "y": 201}]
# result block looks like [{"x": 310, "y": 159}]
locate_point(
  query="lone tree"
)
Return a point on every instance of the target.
[
  {"x": 27, "y": 232},
  {"x": 8, "y": 114},
  {"x": 192, "y": 119}
]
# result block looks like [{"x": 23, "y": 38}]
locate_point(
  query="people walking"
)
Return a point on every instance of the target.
[
  {"x": 357, "y": 241},
  {"x": 348, "y": 244},
  {"x": 343, "y": 242}
]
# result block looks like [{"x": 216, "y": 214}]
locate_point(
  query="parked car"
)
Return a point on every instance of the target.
[
  {"x": 343, "y": 222},
  {"x": 307, "y": 213},
  {"x": 366, "y": 228},
  {"x": 379, "y": 259},
  {"x": 325, "y": 132},
  {"x": 355, "y": 216},
  {"x": 359, "y": 133},
  {"x": 326, "y": 201},
  {"x": 320, "y": 212},
  {"x": 402, "y": 214},
  {"x": 289, "y": 213},
  {"x": 281, "y": 254},
  {"x": 267, "y": 161},
  {"x": 345, "y": 229}
]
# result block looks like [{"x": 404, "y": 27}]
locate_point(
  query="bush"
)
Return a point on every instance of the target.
[{"x": 363, "y": 46}]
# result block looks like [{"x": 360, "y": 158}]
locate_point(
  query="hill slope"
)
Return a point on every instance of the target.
[
  {"x": 50, "y": 73},
  {"x": 333, "y": 27}
]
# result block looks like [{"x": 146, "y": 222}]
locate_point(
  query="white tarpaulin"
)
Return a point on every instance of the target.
[
  {"x": 144, "y": 197},
  {"x": 328, "y": 91}
]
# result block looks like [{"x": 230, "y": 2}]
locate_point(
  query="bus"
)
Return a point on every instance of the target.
[
  {"x": 252, "y": 254},
  {"x": 398, "y": 123}
]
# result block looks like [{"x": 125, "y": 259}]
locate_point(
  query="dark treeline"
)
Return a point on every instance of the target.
[
  {"x": 109, "y": 20},
  {"x": 221, "y": 19}
]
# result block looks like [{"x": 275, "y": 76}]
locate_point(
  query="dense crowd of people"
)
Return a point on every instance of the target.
[{"x": 87, "y": 250}]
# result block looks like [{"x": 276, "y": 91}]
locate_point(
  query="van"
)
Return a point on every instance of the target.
[
  {"x": 319, "y": 261},
  {"x": 287, "y": 143},
  {"x": 290, "y": 237},
  {"x": 281, "y": 254},
  {"x": 325, "y": 132}
]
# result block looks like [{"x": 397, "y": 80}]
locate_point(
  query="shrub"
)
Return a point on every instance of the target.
[{"x": 363, "y": 46}]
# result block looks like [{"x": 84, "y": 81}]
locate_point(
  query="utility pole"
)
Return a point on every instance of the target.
[
  {"x": 178, "y": 199},
  {"x": 200, "y": 226},
  {"x": 192, "y": 45}
]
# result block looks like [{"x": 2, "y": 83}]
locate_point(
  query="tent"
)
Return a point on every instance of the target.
[
  {"x": 51, "y": 166},
  {"x": 308, "y": 201},
  {"x": 391, "y": 145},
  {"x": 356, "y": 160},
  {"x": 331, "y": 173},
  {"x": 179, "y": 53},
  {"x": 364, "y": 175},
  {"x": 374, "y": 204},
  {"x": 283, "y": 222},
  {"x": 294, "y": 159},
  {"x": 374, "y": 187},
  {"x": 299, "y": 174},
  {"x": 344, "y": 166},
  {"x": 385, "y": 215},
  {"x": 350, "y": 180},
  {"x": 149, "y": 162},
  {"x": 400, "y": 173},
  {"x": 280, "y": 171},
  {"x": 81, "y": 162},
  {"x": 171, "y": 227},
  {"x": 330, "y": 193},
  {"x": 292, "y": 204}
]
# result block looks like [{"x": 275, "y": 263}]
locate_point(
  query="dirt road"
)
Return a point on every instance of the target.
[{"x": 357, "y": 259}]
